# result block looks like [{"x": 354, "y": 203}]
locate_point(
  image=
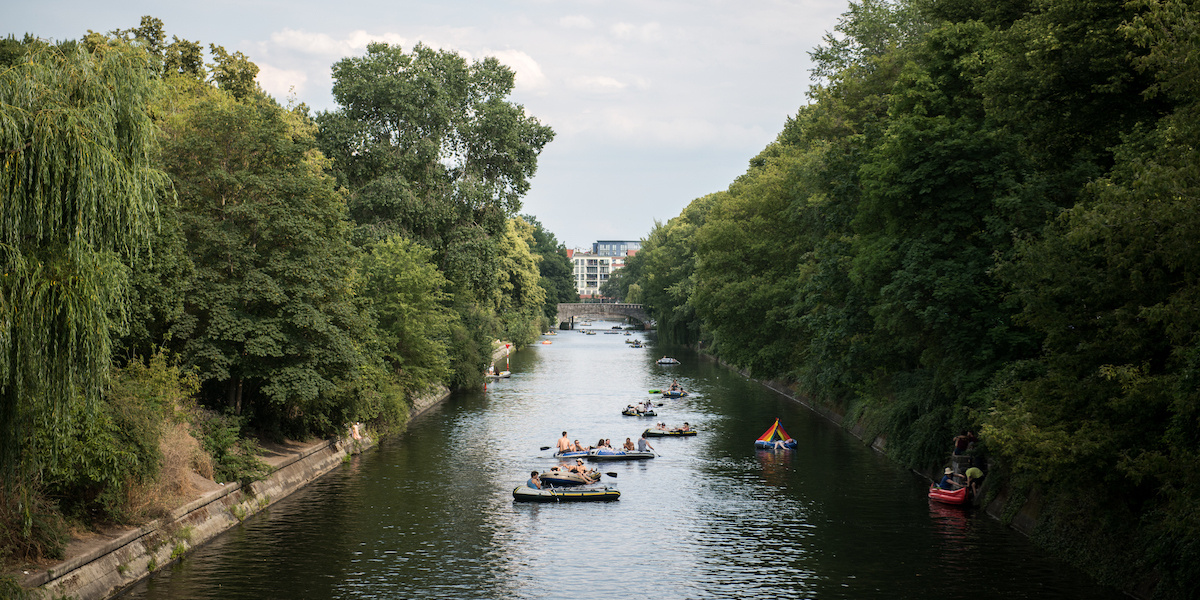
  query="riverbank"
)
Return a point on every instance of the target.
[{"x": 101, "y": 564}]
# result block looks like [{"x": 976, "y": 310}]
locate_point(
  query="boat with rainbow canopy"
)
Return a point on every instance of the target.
[{"x": 774, "y": 438}]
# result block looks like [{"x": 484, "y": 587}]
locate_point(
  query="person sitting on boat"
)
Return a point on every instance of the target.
[
  {"x": 608, "y": 444},
  {"x": 947, "y": 482},
  {"x": 662, "y": 425},
  {"x": 674, "y": 383},
  {"x": 534, "y": 482},
  {"x": 600, "y": 445},
  {"x": 643, "y": 443},
  {"x": 685, "y": 427},
  {"x": 628, "y": 445},
  {"x": 646, "y": 406},
  {"x": 564, "y": 444},
  {"x": 577, "y": 447}
]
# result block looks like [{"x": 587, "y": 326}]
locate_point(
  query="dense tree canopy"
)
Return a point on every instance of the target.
[{"x": 982, "y": 220}]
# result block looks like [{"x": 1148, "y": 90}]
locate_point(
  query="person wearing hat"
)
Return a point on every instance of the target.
[{"x": 947, "y": 482}]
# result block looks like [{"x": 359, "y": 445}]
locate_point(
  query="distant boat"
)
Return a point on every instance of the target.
[{"x": 666, "y": 360}]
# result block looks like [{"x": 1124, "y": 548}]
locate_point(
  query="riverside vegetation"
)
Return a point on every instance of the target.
[
  {"x": 984, "y": 218},
  {"x": 190, "y": 266}
]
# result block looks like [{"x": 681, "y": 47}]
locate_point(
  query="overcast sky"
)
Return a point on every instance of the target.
[{"x": 654, "y": 102}]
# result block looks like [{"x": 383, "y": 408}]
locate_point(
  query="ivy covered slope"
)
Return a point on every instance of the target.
[
  {"x": 983, "y": 219},
  {"x": 190, "y": 266}
]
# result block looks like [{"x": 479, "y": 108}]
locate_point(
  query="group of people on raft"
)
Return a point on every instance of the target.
[
  {"x": 662, "y": 426},
  {"x": 644, "y": 407},
  {"x": 565, "y": 445},
  {"x": 969, "y": 478}
]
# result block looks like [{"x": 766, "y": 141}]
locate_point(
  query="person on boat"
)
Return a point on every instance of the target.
[
  {"x": 600, "y": 445},
  {"x": 608, "y": 444},
  {"x": 947, "y": 482},
  {"x": 564, "y": 443},
  {"x": 628, "y": 445},
  {"x": 534, "y": 482},
  {"x": 580, "y": 447},
  {"x": 643, "y": 443},
  {"x": 661, "y": 425},
  {"x": 647, "y": 406},
  {"x": 685, "y": 427},
  {"x": 674, "y": 384}
]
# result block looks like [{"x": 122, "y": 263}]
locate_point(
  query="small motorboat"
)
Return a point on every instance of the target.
[
  {"x": 576, "y": 494},
  {"x": 597, "y": 454},
  {"x": 653, "y": 432},
  {"x": 775, "y": 438},
  {"x": 667, "y": 360},
  {"x": 958, "y": 496},
  {"x": 564, "y": 478}
]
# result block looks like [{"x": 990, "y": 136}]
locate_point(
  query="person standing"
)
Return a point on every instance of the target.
[{"x": 643, "y": 444}]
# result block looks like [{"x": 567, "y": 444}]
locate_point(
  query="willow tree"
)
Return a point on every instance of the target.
[{"x": 77, "y": 191}]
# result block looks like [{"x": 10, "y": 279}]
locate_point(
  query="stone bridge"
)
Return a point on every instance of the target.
[{"x": 597, "y": 310}]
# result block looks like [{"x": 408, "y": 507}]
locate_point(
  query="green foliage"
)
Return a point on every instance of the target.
[
  {"x": 276, "y": 318},
  {"x": 79, "y": 188},
  {"x": 235, "y": 456},
  {"x": 406, "y": 294},
  {"x": 557, "y": 273}
]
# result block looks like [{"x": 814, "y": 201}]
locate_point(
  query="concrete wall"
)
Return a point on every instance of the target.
[{"x": 106, "y": 570}]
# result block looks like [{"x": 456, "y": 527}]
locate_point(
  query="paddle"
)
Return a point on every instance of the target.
[
  {"x": 611, "y": 473},
  {"x": 545, "y": 448}
]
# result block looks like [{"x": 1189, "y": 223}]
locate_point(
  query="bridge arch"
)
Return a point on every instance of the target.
[{"x": 568, "y": 311}]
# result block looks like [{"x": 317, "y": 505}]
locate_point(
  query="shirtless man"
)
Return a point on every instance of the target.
[{"x": 564, "y": 444}]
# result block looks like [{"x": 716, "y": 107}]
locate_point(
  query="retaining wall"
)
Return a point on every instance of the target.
[{"x": 104, "y": 571}]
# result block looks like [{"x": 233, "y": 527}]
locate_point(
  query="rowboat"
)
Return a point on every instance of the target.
[
  {"x": 668, "y": 432},
  {"x": 618, "y": 455},
  {"x": 550, "y": 494},
  {"x": 948, "y": 496}
]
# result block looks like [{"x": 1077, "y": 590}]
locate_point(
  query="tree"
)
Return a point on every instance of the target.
[
  {"x": 80, "y": 191},
  {"x": 431, "y": 149},
  {"x": 557, "y": 272},
  {"x": 276, "y": 319}
]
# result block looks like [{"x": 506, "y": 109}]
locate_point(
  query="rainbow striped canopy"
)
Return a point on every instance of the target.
[{"x": 775, "y": 433}]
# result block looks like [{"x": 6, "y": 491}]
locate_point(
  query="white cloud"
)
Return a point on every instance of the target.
[
  {"x": 322, "y": 44},
  {"x": 595, "y": 84},
  {"x": 280, "y": 83},
  {"x": 575, "y": 22},
  {"x": 648, "y": 32},
  {"x": 529, "y": 72}
]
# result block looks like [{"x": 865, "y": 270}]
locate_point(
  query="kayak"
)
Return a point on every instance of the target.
[
  {"x": 528, "y": 494},
  {"x": 668, "y": 432},
  {"x": 948, "y": 496},
  {"x": 565, "y": 478},
  {"x": 618, "y": 455}
]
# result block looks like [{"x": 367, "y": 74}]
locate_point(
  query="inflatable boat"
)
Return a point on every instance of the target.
[{"x": 550, "y": 494}]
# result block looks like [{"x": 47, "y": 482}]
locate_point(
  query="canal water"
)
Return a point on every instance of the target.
[{"x": 430, "y": 513}]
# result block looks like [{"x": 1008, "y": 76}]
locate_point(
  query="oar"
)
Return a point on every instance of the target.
[
  {"x": 545, "y": 448},
  {"x": 611, "y": 473}
]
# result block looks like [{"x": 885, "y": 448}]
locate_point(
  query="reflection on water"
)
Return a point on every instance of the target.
[{"x": 429, "y": 514}]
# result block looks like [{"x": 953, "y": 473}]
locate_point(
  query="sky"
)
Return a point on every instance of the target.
[{"x": 654, "y": 103}]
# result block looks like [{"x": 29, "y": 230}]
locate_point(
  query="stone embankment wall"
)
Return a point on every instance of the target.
[{"x": 104, "y": 571}]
